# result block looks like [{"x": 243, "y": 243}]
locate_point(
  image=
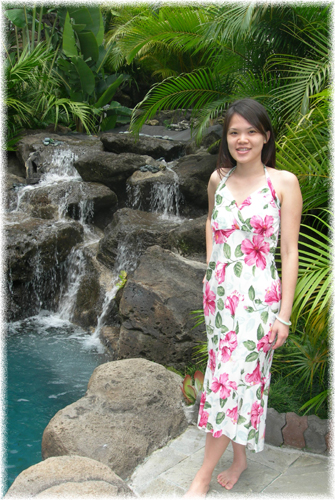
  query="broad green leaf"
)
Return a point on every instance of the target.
[
  {"x": 238, "y": 252},
  {"x": 220, "y": 304},
  {"x": 224, "y": 329},
  {"x": 256, "y": 437},
  {"x": 249, "y": 309},
  {"x": 260, "y": 332},
  {"x": 207, "y": 405},
  {"x": 69, "y": 41},
  {"x": 251, "y": 293},
  {"x": 220, "y": 291},
  {"x": 251, "y": 434},
  {"x": 241, "y": 420},
  {"x": 250, "y": 345},
  {"x": 220, "y": 417},
  {"x": 109, "y": 93},
  {"x": 253, "y": 270},
  {"x": 237, "y": 328},
  {"x": 264, "y": 316},
  {"x": 238, "y": 267},
  {"x": 223, "y": 402},
  {"x": 108, "y": 123},
  {"x": 88, "y": 45},
  {"x": 218, "y": 320},
  {"x": 218, "y": 199},
  {"x": 251, "y": 357},
  {"x": 215, "y": 339},
  {"x": 273, "y": 271},
  {"x": 226, "y": 250},
  {"x": 209, "y": 426},
  {"x": 17, "y": 17},
  {"x": 209, "y": 272},
  {"x": 240, "y": 217},
  {"x": 86, "y": 76},
  {"x": 259, "y": 393},
  {"x": 211, "y": 265}
]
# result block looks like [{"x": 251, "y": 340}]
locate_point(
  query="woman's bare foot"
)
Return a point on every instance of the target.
[
  {"x": 199, "y": 486},
  {"x": 229, "y": 477}
]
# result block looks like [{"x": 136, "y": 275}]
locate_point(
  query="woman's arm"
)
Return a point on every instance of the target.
[{"x": 291, "y": 207}]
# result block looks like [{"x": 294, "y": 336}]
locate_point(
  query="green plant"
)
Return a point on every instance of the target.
[
  {"x": 122, "y": 279},
  {"x": 191, "y": 392}
]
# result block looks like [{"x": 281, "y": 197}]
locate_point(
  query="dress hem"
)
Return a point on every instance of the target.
[{"x": 247, "y": 445}]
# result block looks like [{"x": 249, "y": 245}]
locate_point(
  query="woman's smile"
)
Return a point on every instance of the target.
[{"x": 245, "y": 142}]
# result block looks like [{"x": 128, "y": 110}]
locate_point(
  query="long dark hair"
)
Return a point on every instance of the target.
[{"x": 256, "y": 114}]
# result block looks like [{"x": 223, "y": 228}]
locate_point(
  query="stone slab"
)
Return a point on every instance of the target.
[
  {"x": 160, "y": 461},
  {"x": 190, "y": 441},
  {"x": 315, "y": 434},
  {"x": 159, "y": 488},
  {"x": 274, "y": 458},
  {"x": 302, "y": 479}
]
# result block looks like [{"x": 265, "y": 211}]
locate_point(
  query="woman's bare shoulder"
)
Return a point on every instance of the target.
[
  {"x": 282, "y": 176},
  {"x": 284, "y": 182},
  {"x": 217, "y": 177}
]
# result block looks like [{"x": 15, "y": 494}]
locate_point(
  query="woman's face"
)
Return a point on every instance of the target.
[{"x": 245, "y": 142}]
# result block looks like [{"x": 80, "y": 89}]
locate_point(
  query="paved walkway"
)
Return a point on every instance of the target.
[{"x": 168, "y": 472}]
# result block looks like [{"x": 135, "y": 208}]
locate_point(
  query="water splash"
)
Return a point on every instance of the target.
[{"x": 75, "y": 268}]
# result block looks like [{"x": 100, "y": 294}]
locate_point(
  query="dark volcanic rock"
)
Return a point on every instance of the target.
[
  {"x": 143, "y": 145},
  {"x": 194, "y": 172},
  {"x": 128, "y": 236},
  {"x": 88, "y": 201},
  {"x": 189, "y": 239},
  {"x": 155, "y": 309},
  {"x": 35, "y": 251}
]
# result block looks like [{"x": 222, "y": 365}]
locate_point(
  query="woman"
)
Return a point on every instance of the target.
[{"x": 247, "y": 310}]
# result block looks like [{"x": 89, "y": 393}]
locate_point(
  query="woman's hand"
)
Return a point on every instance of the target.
[{"x": 280, "y": 332}]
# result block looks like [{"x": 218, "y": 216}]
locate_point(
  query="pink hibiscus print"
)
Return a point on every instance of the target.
[
  {"x": 223, "y": 385},
  {"x": 208, "y": 300},
  {"x": 246, "y": 203},
  {"x": 254, "y": 377},
  {"x": 232, "y": 302},
  {"x": 217, "y": 434},
  {"x": 228, "y": 345},
  {"x": 212, "y": 360},
  {"x": 256, "y": 412},
  {"x": 221, "y": 235},
  {"x": 233, "y": 414},
  {"x": 220, "y": 272},
  {"x": 263, "y": 227},
  {"x": 202, "y": 402},
  {"x": 254, "y": 251},
  {"x": 203, "y": 419},
  {"x": 264, "y": 343},
  {"x": 273, "y": 293},
  {"x": 272, "y": 189}
]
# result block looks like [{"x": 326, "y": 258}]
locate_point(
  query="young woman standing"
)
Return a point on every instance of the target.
[{"x": 247, "y": 309}]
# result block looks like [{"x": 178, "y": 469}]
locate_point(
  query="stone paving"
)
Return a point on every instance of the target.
[{"x": 168, "y": 472}]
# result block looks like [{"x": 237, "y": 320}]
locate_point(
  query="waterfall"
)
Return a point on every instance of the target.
[
  {"x": 75, "y": 267},
  {"x": 134, "y": 197}
]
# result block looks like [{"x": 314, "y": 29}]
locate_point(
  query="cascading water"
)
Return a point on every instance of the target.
[{"x": 49, "y": 359}]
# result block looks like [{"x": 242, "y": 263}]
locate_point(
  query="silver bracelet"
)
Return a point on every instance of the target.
[{"x": 284, "y": 322}]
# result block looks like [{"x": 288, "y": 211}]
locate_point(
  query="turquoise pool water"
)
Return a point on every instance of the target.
[{"x": 49, "y": 363}]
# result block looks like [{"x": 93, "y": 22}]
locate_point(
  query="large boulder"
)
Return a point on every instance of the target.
[
  {"x": 68, "y": 476},
  {"x": 36, "y": 249},
  {"x": 110, "y": 169},
  {"x": 131, "y": 408},
  {"x": 194, "y": 172},
  {"x": 154, "y": 191},
  {"x": 155, "y": 309},
  {"x": 189, "y": 239},
  {"x": 38, "y": 156},
  {"x": 87, "y": 201},
  {"x": 143, "y": 145},
  {"x": 128, "y": 236}
]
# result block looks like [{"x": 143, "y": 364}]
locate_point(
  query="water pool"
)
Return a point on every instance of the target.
[{"x": 49, "y": 363}]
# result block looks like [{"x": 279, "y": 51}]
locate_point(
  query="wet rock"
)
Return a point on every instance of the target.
[
  {"x": 110, "y": 169},
  {"x": 189, "y": 239},
  {"x": 131, "y": 408},
  {"x": 74, "y": 476},
  {"x": 155, "y": 309},
  {"x": 88, "y": 201},
  {"x": 143, "y": 145},
  {"x": 194, "y": 172},
  {"x": 145, "y": 189},
  {"x": 36, "y": 250},
  {"x": 128, "y": 236},
  {"x": 209, "y": 142},
  {"x": 39, "y": 158},
  {"x": 109, "y": 336}
]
